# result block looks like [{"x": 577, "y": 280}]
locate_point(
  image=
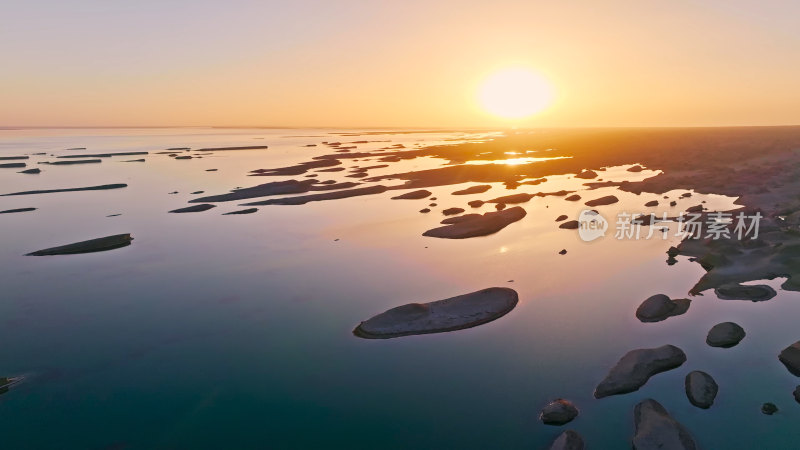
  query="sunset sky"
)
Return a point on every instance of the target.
[{"x": 403, "y": 63}]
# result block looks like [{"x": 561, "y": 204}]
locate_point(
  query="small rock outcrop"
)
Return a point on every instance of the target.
[
  {"x": 656, "y": 429},
  {"x": 7, "y": 382},
  {"x": 479, "y": 189},
  {"x": 659, "y": 307},
  {"x": 725, "y": 335},
  {"x": 558, "y": 412},
  {"x": 413, "y": 195},
  {"x": 570, "y": 225},
  {"x": 568, "y": 440},
  {"x": 607, "y": 200},
  {"x": 694, "y": 209},
  {"x": 636, "y": 367},
  {"x": 194, "y": 208},
  {"x": 453, "y": 211},
  {"x": 17, "y": 210},
  {"x": 240, "y": 212},
  {"x": 701, "y": 389},
  {"x": 755, "y": 293},
  {"x": 790, "y": 357},
  {"x": 587, "y": 174}
]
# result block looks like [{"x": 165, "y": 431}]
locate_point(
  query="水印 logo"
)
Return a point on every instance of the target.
[{"x": 591, "y": 225}]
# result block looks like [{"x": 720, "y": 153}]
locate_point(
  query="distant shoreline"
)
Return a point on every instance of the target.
[{"x": 393, "y": 130}]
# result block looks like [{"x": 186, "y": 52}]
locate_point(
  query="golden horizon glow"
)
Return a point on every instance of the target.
[
  {"x": 308, "y": 63},
  {"x": 515, "y": 93}
]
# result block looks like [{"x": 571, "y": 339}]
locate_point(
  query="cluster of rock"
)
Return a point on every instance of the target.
[
  {"x": 654, "y": 429},
  {"x": 729, "y": 261}
]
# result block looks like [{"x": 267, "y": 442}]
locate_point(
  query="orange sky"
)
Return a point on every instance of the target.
[{"x": 380, "y": 64}]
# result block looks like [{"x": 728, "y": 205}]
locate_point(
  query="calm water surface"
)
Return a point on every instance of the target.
[{"x": 216, "y": 331}]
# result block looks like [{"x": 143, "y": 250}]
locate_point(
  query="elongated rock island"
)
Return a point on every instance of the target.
[
  {"x": 90, "y": 246},
  {"x": 450, "y": 314},
  {"x": 101, "y": 187},
  {"x": 480, "y": 225},
  {"x": 194, "y": 208}
]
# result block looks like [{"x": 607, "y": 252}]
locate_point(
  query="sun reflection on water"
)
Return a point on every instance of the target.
[{"x": 515, "y": 161}]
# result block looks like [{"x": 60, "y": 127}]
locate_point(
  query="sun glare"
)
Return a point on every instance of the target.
[{"x": 515, "y": 93}]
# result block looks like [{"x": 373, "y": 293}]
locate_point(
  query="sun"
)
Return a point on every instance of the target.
[{"x": 515, "y": 93}]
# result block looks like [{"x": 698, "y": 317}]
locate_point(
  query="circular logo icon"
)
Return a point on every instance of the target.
[{"x": 591, "y": 225}]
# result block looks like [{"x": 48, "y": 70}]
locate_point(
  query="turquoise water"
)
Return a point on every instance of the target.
[{"x": 214, "y": 331}]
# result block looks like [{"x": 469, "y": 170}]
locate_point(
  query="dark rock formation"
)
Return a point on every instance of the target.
[
  {"x": 637, "y": 366},
  {"x": 659, "y": 307},
  {"x": 725, "y": 335},
  {"x": 701, "y": 389},
  {"x": 558, "y": 412},
  {"x": 194, "y": 208},
  {"x": 455, "y": 313},
  {"x": 90, "y": 246},
  {"x": 657, "y": 430},
  {"x": 607, "y": 200},
  {"x": 488, "y": 223}
]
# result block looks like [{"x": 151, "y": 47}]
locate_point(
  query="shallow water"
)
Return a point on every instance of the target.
[{"x": 214, "y": 331}]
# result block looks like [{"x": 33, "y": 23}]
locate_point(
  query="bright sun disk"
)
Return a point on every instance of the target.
[{"x": 515, "y": 93}]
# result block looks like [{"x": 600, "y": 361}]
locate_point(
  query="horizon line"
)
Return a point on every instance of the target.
[{"x": 432, "y": 128}]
